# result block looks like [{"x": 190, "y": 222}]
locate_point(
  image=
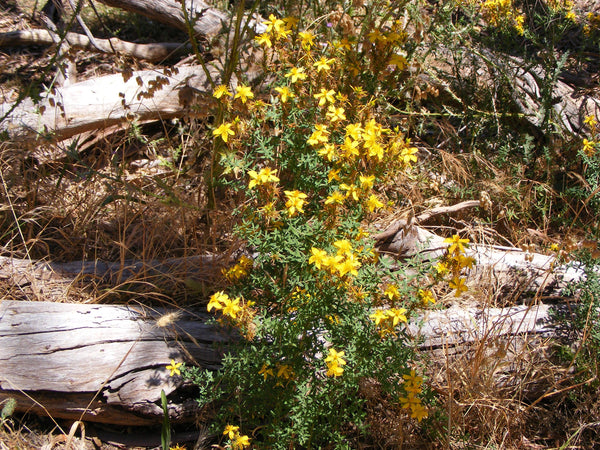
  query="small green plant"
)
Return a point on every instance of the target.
[
  {"x": 8, "y": 409},
  {"x": 165, "y": 431}
]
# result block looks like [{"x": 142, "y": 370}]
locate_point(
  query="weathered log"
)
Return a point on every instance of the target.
[
  {"x": 101, "y": 363},
  {"x": 108, "y": 363},
  {"x": 153, "y": 52},
  {"x": 114, "y": 99},
  {"x": 59, "y": 282}
]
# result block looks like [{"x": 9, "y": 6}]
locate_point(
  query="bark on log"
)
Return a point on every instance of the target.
[
  {"x": 101, "y": 102},
  {"x": 154, "y": 52}
]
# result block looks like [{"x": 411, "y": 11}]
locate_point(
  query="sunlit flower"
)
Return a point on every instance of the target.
[
  {"x": 264, "y": 39},
  {"x": 284, "y": 93},
  {"x": 265, "y": 371},
  {"x": 307, "y": 39},
  {"x": 325, "y": 96},
  {"x": 217, "y": 300},
  {"x": 335, "y": 114},
  {"x": 295, "y": 202},
  {"x": 224, "y": 131},
  {"x": 244, "y": 93},
  {"x": 264, "y": 176},
  {"x": 456, "y": 244},
  {"x": 295, "y": 74},
  {"x": 174, "y": 368},
  {"x": 336, "y": 197},
  {"x": 324, "y": 64},
  {"x": 231, "y": 431},
  {"x": 374, "y": 203},
  {"x": 220, "y": 91},
  {"x": 458, "y": 284}
]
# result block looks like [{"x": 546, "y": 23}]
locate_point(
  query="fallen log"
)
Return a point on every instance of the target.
[
  {"x": 110, "y": 100},
  {"x": 104, "y": 363},
  {"x": 101, "y": 363}
]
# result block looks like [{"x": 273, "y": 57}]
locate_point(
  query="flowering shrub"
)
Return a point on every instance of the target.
[{"x": 320, "y": 311}]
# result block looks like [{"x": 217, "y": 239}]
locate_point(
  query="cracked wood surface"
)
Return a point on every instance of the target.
[{"x": 60, "y": 357}]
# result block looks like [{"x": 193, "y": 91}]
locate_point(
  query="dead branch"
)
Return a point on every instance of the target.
[{"x": 154, "y": 52}]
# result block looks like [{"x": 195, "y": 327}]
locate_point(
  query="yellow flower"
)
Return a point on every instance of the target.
[
  {"x": 328, "y": 151},
  {"x": 413, "y": 378},
  {"x": 344, "y": 247},
  {"x": 324, "y": 64},
  {"x": 296, "y": 74},
  {"x": 419, "y": 412},
  {"x": 378, "y": 316},
  {"x": 224, "y": 131},
  {"x": 366, "y": 182},
  {"x": 351, "y": 190},
  {"x": 274, "y": 24},
  {"x": 264, "y": 39},
  {"x": 295, "y": 202},
  {"x": 408, "y": 155},
  {"x": 590, "y": 121},
  {"x": 456, "y": 244},
  {"x": 244, "y": 93},
  {"x": 375, "y": 150},
  {"x": 174, "y": 368},
  {"x": 325, "y": 96},
  {"x": 373, "y": 203},
  {"x": 350, "y": 264},
  {"x": 231, "y": 431},
  {"x": 177, "y": 447},
  {"x": 241, "y": 442},
  {"x": 284, "y": 93},
  {"x": 231, "y": 307},
  {"x": 334, "y": 361},
  {"x": 220, "y": 91},
  {"x": 265, "y": 371},
  {"x": 318, "y": 258},
  {"x": 397, "y": 315},
  {"x": 319, "y": 136},
  {"x": 354, "y": 131},
  {"x": 217, "y": 301},
  {"x": 261, "y": 177},
  {"x": 392, "y": 292},
  {"x": 409, "y": 401},
  {"x": 291, "y": 22},
  {"x": 334, "y": 174},
  {"x": 589, "y": 147},
  {"x": 426, "y": 296},
  {"x": 285, "y": 371},
  {"x": 350, "y": 149},
  {"x": 335, "y": 114},
  {"x": 336, "y": 197},
  {"x": 306, "y": 39},
  {"x": 458, "y": 284}
]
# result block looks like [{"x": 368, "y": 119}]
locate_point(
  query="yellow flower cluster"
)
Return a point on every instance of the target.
[
  {"x": 238, "y": 311},
  {"x": 262, "y": 177},
  {"x": 335, "y": 361},
  {"x": 499, "y": 13},
  {"x": 590, "y": 146},
  {"x": 413, "y": 387},
  {"x": 238, "y": 441},
  {"x": 386, "y": 320},
  {"x": 277, "y": 30},
  {"x": 454, "y": 262},
  {"x": 281, "y": 371},
  {"x": 239, "y": 270},
  {"x": 593, "y": 23},
  {"x": 343, "y": 262}
]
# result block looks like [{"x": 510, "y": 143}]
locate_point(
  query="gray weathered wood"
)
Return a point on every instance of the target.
[{"x": 55, "y": 358}]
